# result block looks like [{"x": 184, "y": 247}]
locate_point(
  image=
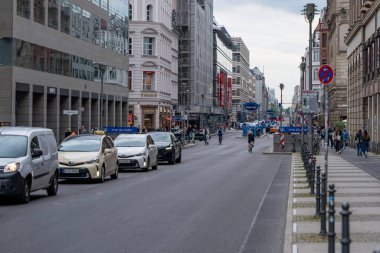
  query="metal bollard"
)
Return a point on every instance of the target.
[
  {"x": 318, "y": 195},
  {"x": 312, "y": 176},
  {"x": 331, "y": 234},
  {"x": 323, "y": 231},
  {"x": 345, "y": 241}
]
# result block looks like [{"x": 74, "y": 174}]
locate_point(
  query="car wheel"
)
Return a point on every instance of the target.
[
  {"x": 103, "y": 175},
  {"x": 25, "y": 195},
  {"x": 53, "y": 188},
  {"x": 172, "y": 160},
  {"x": 179, "y": 157},
  {"x": 116, "y": 174},
  {"x": 155, "y": 167},
  {"x": 147, "y": 165}
]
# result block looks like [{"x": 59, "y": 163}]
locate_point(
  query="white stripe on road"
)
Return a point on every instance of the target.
[
  {"x": 294, "y": 212},
  {"x": 295, "y": 248},
  {"x": 294, "y": 227}
]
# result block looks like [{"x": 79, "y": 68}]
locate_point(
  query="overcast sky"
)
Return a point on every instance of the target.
[{"x": 276, "y": 34}]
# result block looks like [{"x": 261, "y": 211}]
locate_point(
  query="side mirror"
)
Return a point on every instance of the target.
[
  {"x": 107, "y": 151},
  {"x": 36, "y": 153}
]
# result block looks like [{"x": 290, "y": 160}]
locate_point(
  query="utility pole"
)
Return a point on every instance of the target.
[
  {"x": 281, "y": 88},
  {"x": 302, "y": 67}
]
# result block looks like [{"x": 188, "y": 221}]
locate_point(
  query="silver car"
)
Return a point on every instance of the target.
[
  {"x": 28, "y": 162},
  {"x": 136, "y": 151}
]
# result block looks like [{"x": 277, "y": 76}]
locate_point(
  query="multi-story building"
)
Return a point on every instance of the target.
[
  {"x": 295, "y": 107},
  {"x": 260, "y": 89},
  {"x": 222, "y": 83},
  {"x": 241, "y": 76},
  {"x": 363, "y": 47},
  {"x": 337, "y": 20},
  {"x": 153, "y": 59},
  {"x": 63, "y": 55},
  {"x": 316, "y": 85},
  {"x": 194, "y": 21}
]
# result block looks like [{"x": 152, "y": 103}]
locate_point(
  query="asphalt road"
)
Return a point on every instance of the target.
[{"x": 219, "y": 199}]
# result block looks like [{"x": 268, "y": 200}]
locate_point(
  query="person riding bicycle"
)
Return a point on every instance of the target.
[
  {"x": 220, "y": 134},
  {"x": 251, "y": 140}
]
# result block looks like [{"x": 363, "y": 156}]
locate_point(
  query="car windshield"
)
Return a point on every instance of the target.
[
  {"x": 161, "y": 137},
  {"x": 13, "y": 146},
  {"x": 130, "y": 141},
  {"x": 81, "y": 144}
]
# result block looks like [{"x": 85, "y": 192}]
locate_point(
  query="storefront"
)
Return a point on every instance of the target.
[{"x": 148, "y": 117}]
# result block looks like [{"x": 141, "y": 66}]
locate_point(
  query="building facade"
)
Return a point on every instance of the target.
[
  {"x": 363, "y": 47},
  {"x": 260, "y": 89},
  {"x": 241, "y": 76},
  {"x": 222, "y": 83},
  {"x": 153, "y": 63},
  {"x": 194, "y": 22},
  {"x": 316, "y": 84},
  {"x": 63, "y": 55}
]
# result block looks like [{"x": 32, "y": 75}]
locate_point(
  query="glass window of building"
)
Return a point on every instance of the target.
[
  {"x": 148, "y": 81},
  {"x": 96, "y": 2},
  {"x": 130, "y": 46},
  {"x": 53, "y": 14},
  {"x": 39, "y": 11},
  {"x": 22, "y": 55},
  {"x": 130, "y": 80},
  {"x": 66, "y": 64},
  {"x": 104, "y": 4},
  {"x": 65, "y": 16},
  {"x": 315, "y": 74},
  {"x": 148, "y": 46},
  {"x": 149, "y": 13},
  {"x": 23, "y": 8},
  {"x": 39, "y": 58},
  {"x": 95, "y": 29},
  {"x": 55, "y": 62},
  {"x": 86, "y": 20},
  {"x": 103, "y": 33},
  {"x": 130, "y": 12},
  {"x": 76, "y": 21}
]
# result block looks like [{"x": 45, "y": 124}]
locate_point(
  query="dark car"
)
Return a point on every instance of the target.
[{"x": 169, "y": 147}]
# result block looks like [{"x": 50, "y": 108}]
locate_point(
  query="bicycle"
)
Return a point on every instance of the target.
[
  {"x": 220, "y": 139},
  {"x": 250, "y": 146}
]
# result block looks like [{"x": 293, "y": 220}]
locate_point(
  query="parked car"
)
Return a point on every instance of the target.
[
  {"x": 136, "y": 151},
  {"x": 274, "y": 128},
  {"x": 28, "y": 162},
  {"x": 88, "y": 156},
  {"x": 169, "y": 147}
]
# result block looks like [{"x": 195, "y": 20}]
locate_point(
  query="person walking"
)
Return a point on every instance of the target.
[
  {"x": 338, "y": 141},
  {"x": 330, "y": 141},
  {"x": 358, "y": 142},
  {"x": 82, "y": 130},
  {"x": 206, "y": 135},
  {"x": 267, "y": 131},
  {"x": 220, "y": 134},
  {"x": 365, "y": 143},
  {"x": 251, "y": 140}
]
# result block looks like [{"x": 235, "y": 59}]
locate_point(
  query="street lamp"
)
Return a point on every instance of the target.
[
  {"x": 281, "y": 88},
  {"x": 102, "y": 69},
  {"x": 303, "y": 68},
  {"x": 309, "y": 12},
  {"x": 202, "y": 119}
]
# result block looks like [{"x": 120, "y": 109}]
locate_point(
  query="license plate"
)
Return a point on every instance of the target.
[
  {"x": 126, "y": 161},
  {"x": 71, "y": 171}
]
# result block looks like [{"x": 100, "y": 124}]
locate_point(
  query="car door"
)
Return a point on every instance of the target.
[
  {"x": 152, "y": 150},
  {"x": 37, "y": 163},
  {"x": 106, "y": 157},
  {"x": 175, "y": 145},
  {"x": 47, "y": 156},
  {"x": 111, "y": 157}
]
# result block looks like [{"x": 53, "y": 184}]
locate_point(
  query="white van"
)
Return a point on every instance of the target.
[{"x": 28, "y": 162}]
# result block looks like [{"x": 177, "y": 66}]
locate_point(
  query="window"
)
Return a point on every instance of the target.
[
  {"x": 96, "y": 30},
  {"x": 86, "y": 33},
  {"x": 324, "y": 40},
  {"x": 34, "y": 144},
  {"x": 315, "y": 74},
  {"x": 65, "y": 16},
  {"x": 316, "y": 56},
  {"x": 130, "y": 12},
  {"x": 148, "y": 46},
  {"x": 149, "y": 13},
  {"x": 76, "y": 20},
  {"x": 130, "y": 80},
  {"x": 39, "y": 11},
  {"x": 23, "y": 8},
  {"x": 130, "y": 46},
  {"x": 148, "y": 81},
  {"x": 53, "y": 14}
]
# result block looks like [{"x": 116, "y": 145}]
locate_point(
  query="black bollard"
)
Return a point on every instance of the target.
[
  {"x": 308, "y": 172},
  {"x": 323, "y": 231},
  {"x": 331, "y": 234},
  {"x": 312, "y": 176},
  {"x": 318, "y": 195},
  {"x": 345, "y": 241}
]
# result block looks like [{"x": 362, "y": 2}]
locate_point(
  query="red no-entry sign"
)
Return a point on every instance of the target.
[{"x": 326, "y": 74}]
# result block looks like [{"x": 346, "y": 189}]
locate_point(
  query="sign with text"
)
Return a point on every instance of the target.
[
  {"x": 70, "y": 112},
  {"x": 293, "y": 130},
  {"x": 251, "y": 106},
  {"x": 309, "y": 101},
  {"x": 120, "y": 130}
]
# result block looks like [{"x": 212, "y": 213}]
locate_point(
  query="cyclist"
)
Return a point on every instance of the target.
[
  {"x": 220, "y": 134},
  {"x": 251, "y": 140}
]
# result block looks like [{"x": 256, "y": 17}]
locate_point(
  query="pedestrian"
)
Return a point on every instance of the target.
[
  {"x": 358, "y": 142},
  {"x": 220, "y": 134},
  {"x": 282, "y": 140},
  {"x": 267, "y": 131},
  {"x": 251, "y": 140},
  {"x": 345, "y": 138},
  {"x": 82, "y": 130},
  {"x": 330, "y": 141},
  {"x": 338, "y": 141},
  {"x": 94, "y": 129},
  {"x": 67, "y": 132},
  {"x": 365, "y": 143},
  {"x": 206, "y": 135}
]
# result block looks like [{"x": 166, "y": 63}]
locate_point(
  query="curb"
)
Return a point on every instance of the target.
[
  {"x": 288, "y": 239},
  {"x": 269, "y": 151}
]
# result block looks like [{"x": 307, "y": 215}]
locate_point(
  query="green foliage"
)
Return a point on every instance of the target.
[{"x": 339, "y": 124}]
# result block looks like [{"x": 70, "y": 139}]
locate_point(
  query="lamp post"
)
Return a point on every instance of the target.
[
  {"x": 309, "y": 12},
  {"x": 302, "y": 67},
  {"x": 102, "y": 69},
  {"x": 202, "y": 119},
  {"x": 281, "y": 88}
]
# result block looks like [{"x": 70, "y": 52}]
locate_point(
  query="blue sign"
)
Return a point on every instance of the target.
[
  {"x": 177, "y": 118},
  {"x": 293, "y": 129},
  {"x": 120, "y": 130},
  {"x": 251, "y": 106}
]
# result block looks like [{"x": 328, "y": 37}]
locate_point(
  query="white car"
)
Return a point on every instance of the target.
[{"x": 136, "y": 151}]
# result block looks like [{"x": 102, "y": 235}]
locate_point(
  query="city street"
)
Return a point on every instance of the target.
[{"x": 219, "y": 199}]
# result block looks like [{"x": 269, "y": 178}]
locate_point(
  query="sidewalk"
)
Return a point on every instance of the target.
[{"x": 353, "y": 185}]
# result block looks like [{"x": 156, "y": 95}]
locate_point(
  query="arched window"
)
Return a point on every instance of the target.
[
  {"x": 130, "y": 12},
  {"x": 315, "y": 74},
  {"x": 149, "y": 13}
]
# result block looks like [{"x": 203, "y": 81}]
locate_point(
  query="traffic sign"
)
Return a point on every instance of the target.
[
  {"x": 326, "y": 74},
  {"x": 70, "y": 112},
  {"x": 251, "y": 106}
]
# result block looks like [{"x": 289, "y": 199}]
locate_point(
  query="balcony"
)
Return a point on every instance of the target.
[{"x": 368, "y": 3}]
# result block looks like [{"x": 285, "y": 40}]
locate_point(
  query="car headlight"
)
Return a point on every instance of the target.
[
  {"x": 169, "y": 147},
  {"x": 93, "y": 160},
  {"x": 140, "y": 154},
  {"x": 12, "y": 167}
]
